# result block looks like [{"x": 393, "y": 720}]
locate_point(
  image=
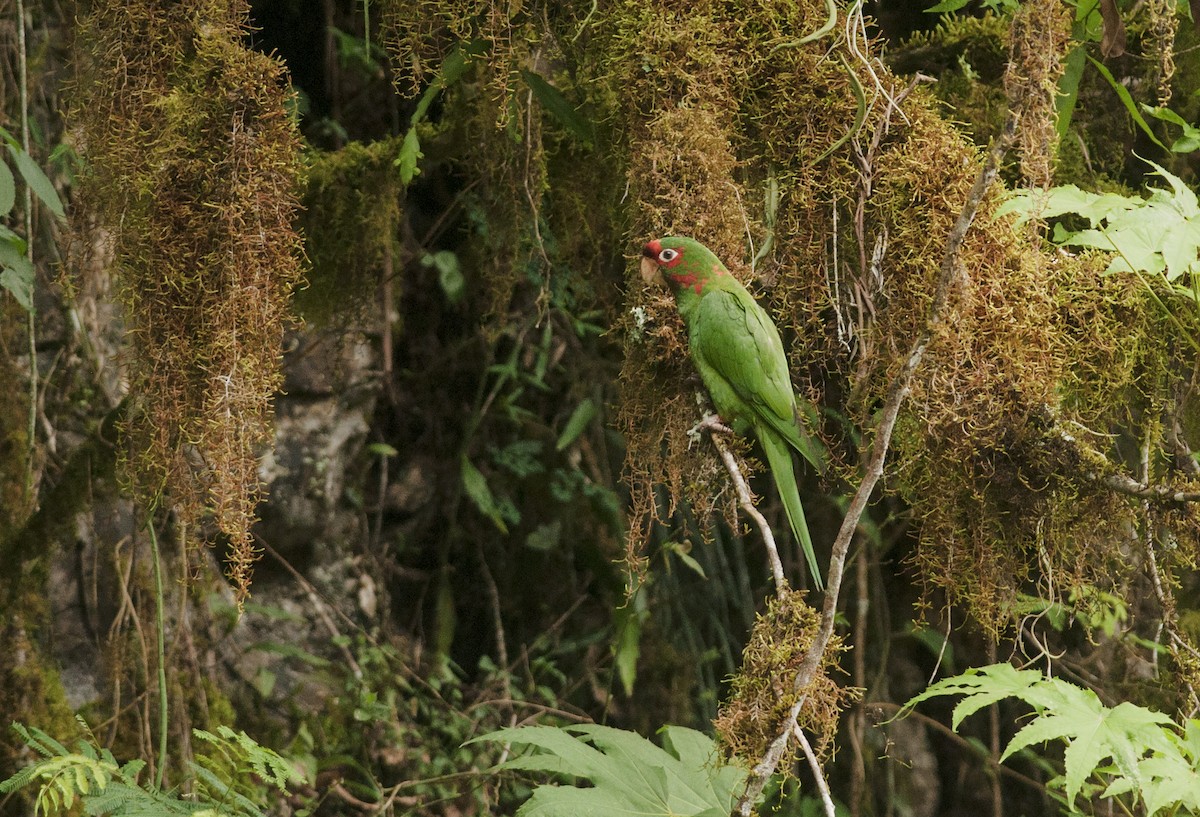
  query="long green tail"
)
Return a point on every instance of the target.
[{"x": 779, "y": 457}]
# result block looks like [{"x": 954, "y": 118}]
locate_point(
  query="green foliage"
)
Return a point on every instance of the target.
[
  {"x": 560, "y": 108},
  {"x": 1126, "y": 100},
  {"x": 1190, "y": 139},
  {"x": 92, "y": 776},
  {"x": 629, "y": 774},
  {"x": 16, "y": 271},
  {"x": 1158, "y": 235},
  {"x": 1126, "y": 751},
  {"x": 234, "y": 753},
  {"x": 452, "y": 70}
]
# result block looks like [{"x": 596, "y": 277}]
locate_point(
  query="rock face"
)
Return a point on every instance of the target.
[
  {"x": 103, "y": 581},
  {"x": 321, "y": 422}
]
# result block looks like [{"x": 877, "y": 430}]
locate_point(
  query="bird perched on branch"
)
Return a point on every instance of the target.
[{"x": 740, "y": 358}]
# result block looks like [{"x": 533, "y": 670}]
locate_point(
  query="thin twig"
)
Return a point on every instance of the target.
[
  {"x": 318, "y": 606},
  {"x": 813, "y": 764},
  {"x": 872, "y": 470},
  {"x": 31, "y": 314},
  {"x": 747, "y": 504}
]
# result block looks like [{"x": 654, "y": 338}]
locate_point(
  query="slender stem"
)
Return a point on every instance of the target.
[
  {"x": 160, "y": 627},
  {"x": 31, "y": 316},
  {"x": 815, "y": 765},
  {"x": 747, "y": 505}
]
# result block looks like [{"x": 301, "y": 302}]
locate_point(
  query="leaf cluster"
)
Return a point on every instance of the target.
[
  {"x": 16, "y": 272},
  {"x": 1126, "y": 751},
  {"x": 1158, "y": 235},
  {"x": 91, "y": 777},
  {"x": 628, "y": 774}
]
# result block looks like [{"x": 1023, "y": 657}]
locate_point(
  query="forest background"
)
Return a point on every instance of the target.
[{"x": 339, "y": 429}]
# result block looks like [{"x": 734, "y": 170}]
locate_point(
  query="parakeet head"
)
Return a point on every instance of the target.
[{"x": 681, "y": 262}]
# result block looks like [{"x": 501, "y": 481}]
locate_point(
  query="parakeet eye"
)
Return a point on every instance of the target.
[{"x": 668, "y": 255}]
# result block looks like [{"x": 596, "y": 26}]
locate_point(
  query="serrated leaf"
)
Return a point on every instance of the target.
[
  {"x": 629, "y": 774},
  {"x": 982, "y": 686}
]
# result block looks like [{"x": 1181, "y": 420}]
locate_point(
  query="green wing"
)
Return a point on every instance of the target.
[{"x": 740, "y": 357}]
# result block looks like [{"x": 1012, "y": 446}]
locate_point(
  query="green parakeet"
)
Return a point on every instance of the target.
[{"x": 740, "y": 358}]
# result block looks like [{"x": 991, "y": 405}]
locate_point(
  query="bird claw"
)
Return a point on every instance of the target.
[{"x": 711, "y": 423}]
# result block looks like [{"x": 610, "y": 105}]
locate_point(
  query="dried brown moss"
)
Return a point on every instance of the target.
[
  {"x": 193, "y": 168},
  {"x": 1038, "y": 33}
]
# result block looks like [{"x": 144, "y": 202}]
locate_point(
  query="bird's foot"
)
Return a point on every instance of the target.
[{"x": 711, "y": 423}]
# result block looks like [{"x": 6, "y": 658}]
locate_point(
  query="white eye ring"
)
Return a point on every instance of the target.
[{"x": 668, "y": 255}]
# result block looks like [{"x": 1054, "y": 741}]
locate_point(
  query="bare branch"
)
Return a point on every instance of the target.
[
  {"x": 811, "y": 756},
  {"x": 747, "y": 504}
]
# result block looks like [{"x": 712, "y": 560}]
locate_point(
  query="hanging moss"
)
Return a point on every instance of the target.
[
  {"x": 705, "y": 107},
  {"x": 193, "y": 168},
  {"x": 351, "y": 209}
]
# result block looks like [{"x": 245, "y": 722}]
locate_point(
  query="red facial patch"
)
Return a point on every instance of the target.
[{"x": 686, "y": 279}]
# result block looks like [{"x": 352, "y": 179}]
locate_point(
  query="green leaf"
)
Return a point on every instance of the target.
[
  {"x": 410, "y": 154},
  {"x": 38, "y": 182},
  {"x": 981, "y": 686},
  {"x": 450, "y": 276},
  {"x": 558, "y": 106},
  {"x": 629, "y": 621},
  {"x": 476, "y": 486},
  {"x": 16, "y": 275},
  {"x": 946, "y": 6},
  {"x": 580, "y": 418},
  {"x": 1189, "y": 141},
  {"x": 1127, "y": 101},
  {"x": 545, "y": 537},
  {"x": 1068, "y": 88},
  {"x": 629, "y": 774},
  {"x": 8, "y": 190},
  {"x": 1125, "y": 748}
]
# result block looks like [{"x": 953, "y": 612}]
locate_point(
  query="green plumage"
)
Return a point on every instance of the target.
[{"x": 740, "y": 358}]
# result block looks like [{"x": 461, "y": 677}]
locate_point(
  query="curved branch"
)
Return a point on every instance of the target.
[
  {"x": 747, "y": 504},
  {"x": 872, "y": 469}
]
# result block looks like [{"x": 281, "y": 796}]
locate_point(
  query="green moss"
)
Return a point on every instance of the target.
[
  {"x": 698, "y": 124},
  {"x": 351, "y": 213},
  {"x": 193, "y": 167}
]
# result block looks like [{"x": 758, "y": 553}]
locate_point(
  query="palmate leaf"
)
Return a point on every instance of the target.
[
  {"x": 1159, "y": 235},
  {"x": 629, "y": 774},
  {"x": 1095, "y": 734},
  {"x": 981, "y": 686},
  {"x": 1127, "y": 749}
]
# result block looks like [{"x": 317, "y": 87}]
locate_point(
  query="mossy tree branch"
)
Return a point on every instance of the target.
[{"x": 872, "y": 469}]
